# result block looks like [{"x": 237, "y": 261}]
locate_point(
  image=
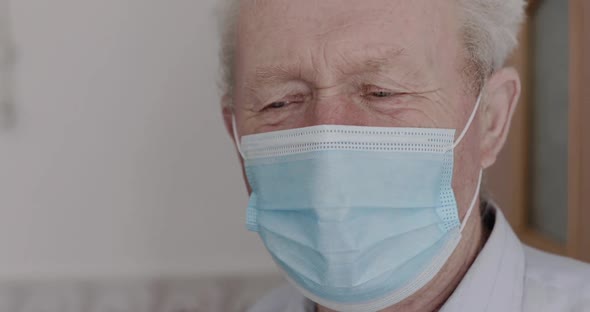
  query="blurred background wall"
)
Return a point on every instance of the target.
[
  {"x": 117, "y": 162},
  {"x": 114, "y": 160}
]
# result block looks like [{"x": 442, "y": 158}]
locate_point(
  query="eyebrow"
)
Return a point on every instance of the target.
[
  {"x": 279, "y": 73},
  {"x": 271, "y": 74},
  {"x": 383, "y": 61}
]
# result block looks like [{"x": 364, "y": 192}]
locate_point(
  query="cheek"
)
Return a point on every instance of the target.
[
  {"x": 433, "y": 114},
  {"x": 467, "y": 167},
  {"x": 415, "y": 111}
]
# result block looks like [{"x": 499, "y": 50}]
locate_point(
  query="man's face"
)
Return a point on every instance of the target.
[{"x": 386, "y": 63}]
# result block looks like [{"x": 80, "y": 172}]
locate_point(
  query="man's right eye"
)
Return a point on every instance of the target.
[
  {"x": 276, "y": 105},
  {"x": 286, "y": 102}
]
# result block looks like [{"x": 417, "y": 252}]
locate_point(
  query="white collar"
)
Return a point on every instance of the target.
[{"x": 495, "y": 280}]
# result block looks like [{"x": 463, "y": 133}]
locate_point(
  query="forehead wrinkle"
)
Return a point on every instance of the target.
[
  {"x": 346, "y": 64},
  {"x": 373, "y": 63},
  {"x": 274, "y": 74},
  {"x": 382, "y": 62}
]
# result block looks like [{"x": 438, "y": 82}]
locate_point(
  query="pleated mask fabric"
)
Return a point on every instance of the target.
[{"x": 358, "y": 218}]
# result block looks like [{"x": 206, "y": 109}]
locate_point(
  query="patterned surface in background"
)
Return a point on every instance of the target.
[{"x": 166, "y": 295}]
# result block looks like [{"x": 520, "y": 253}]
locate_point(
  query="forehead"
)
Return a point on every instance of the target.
[{"x": 330, "y": 33}]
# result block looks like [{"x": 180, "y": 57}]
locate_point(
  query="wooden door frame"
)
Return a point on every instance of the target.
[
  {"x": 578, "y": 238},
  {"x": 519, "y": 146},
  {"x": 578, "y": 244}
]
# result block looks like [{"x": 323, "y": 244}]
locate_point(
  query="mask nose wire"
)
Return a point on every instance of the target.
[
  {"x": 236, "y": 137},
  {"x": 468, "y": 125}
]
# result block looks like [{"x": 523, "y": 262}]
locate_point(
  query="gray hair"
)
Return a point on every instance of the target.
[{"x": 490, "y": 29}]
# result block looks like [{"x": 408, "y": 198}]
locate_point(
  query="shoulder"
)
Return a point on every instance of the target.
[
  {"x": 554, "y": 283},
  {"x": 285, "y": 298}
]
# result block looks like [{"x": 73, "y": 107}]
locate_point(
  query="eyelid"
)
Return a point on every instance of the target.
[
  {"x": 288, "y": 100},
  {"x": 368, "y": 89},
  {"x": 280, "y": 91}
]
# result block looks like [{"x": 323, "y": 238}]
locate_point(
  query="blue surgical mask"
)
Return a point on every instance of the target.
[{"x": 358, "y": 218}]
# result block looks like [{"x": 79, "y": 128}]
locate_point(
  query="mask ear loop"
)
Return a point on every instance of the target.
[
  {"x": 469, "y": 122},
  {"x": 457, "y": 142},
  {"x": 236, "y": 137},
  {"x": 473, "y": 201}
]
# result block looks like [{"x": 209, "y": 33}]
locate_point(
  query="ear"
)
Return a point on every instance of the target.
[
  {"x": 228, "y": 113},
  {"x": 228, "y": 117},
  {"x": 501, "y": 97}
]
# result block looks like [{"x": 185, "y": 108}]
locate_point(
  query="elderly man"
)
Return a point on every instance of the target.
[{"x": 364, "y": 128}]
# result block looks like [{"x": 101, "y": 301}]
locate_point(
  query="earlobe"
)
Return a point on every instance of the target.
[{"x": 502, "y": 94}]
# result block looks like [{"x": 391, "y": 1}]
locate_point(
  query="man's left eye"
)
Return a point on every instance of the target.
[
  {"x": 381, "y": 94},
  {"x": 371, "y": 92},
  {"x": 278, "y": 104}
]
